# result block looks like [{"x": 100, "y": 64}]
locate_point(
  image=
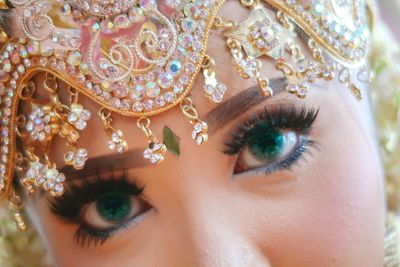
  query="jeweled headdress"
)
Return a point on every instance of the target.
[{"x": 139, "y": 58}]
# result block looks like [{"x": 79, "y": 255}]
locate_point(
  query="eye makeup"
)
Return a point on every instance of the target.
[
  {"x": 274, "y": 139},
  {"x": 100, "y": 207}
]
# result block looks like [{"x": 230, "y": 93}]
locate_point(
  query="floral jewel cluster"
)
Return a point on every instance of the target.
[{"x": 139, "y": 58}]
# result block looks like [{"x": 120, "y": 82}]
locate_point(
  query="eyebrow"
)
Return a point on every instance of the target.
[
  {"x": 221, "y": 115},
  {"x": 108, "y": 164},
  {"x": 216, "y": 119}
]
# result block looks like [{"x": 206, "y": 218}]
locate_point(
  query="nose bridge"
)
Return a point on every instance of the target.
[{"x": 214, "y": 233}]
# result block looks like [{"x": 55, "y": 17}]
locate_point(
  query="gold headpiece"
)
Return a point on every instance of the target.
[{"x": 140, "y": 58}]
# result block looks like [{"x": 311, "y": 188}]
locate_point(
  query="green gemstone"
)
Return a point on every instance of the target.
[
  {"x": 265, "y": 143},
  {"x": 114, "y": 207}
]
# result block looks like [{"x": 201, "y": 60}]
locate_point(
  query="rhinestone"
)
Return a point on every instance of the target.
[
  {"x": 75, "y": 41},
  {"x": 148, "y": 105},
  {"x": 156, "y": 158},
  {"x": 221, "y": 88},
  {"x": 107, "y": 26},
  {"x": 84, "y": 68},
  {"x": 200, "y": 139},
  {"x": 94, "y": 25},
  {"x": 74, "y": 58},
  {"x": 169, "y": 97},
  {"x": 178, "y": 88},
  {"x": 160, "y": 101},
  {"x": 120, "y": 90},
  {"x": 121, "y": 21},
  {"x": 33, "y": 48},
  {"x": 116, "y": 102},
  {"x": 152, "y": 89},
  {"x": 209, "y": 89},
  {"x": 165, "y": 80},
  {"x": 66, "y": 9},
  {"x": 72, "y": 117},
  {"x": 194, "y": 57},
  {"x": 174, "y": 67},
  {"x": 138, "y": 107},
  {"x": 190, "y": 68},
  {"x": 191, "y": 10},
  {"x": 136, "y": 14},
  {"x": 344, "y": 76},
  {"x": 184, "y": 79},
  {"x": 217, "y": 97},
  {"x": 137, "y": 92},
  {"x": 2, "y": 89},
  {"x": 4, "y": 76},
  {"x": 292, "y": 88},
  {"x": 147, "y": 153},
  {"x": 185, "y": 39},
  {"x": 197, "y": 46},
  {"x": 7, "y": 65},
  {"x": 58, "y": 189},
  {"x": 69, "y": 156},
  {"x": 189, "y": 25},
  {"x": 46, "y": 51},
  {"x": 198, "y": 127}
]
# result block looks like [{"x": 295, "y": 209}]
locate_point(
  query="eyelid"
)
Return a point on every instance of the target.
[
  {"x": 297, "y": 157},
  {"x": 86, "y": 235},
  {"x": 281, "y": 116},
  {"x": 69, "y": 206}
]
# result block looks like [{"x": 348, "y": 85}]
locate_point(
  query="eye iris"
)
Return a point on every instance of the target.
[
  {"x": 114, "y": 206},
  {"x": 265, "y": 142}
]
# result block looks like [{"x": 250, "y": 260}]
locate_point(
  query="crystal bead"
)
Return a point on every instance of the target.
[
  {"x": 138, "y": 107},
  {"x": 148, "y": 104},
  {"x": 7, "y": 66},
  {"x": 165, "y": 80},
  {"x": 191, "y": 10},
  {"x": 185, "y": 39},
  {"x": 119, "y": 89},
  {"x": 75, "y": 58},
  {"x": 178, "y": 88},
  {"x": 4, "y": 76},
  {"x": 169, "y": 97},
  {"x": 174, "y": 67},
  {"x": 152, "y": 89},
  {"x": 160, "y": 101},
  {"x": 189, "y": 25},
  {"x": 137, "y": 92}
]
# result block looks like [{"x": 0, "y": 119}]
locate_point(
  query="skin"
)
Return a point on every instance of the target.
[{"x": 328, "y": 210}]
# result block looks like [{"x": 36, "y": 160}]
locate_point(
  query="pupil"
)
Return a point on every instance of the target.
[
  {"x": 266, "y": 143},
  {"x": 114, "y": 206}
]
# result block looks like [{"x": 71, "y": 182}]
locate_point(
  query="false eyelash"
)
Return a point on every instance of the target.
[
  {"x": 86, "y": 235},
  {"x": 282, "y": 117},
  {"x": 70, "y": 204},
  {"x": 289, "y": 162}
]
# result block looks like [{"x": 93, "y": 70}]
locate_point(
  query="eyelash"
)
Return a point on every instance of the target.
[
  {"x": 282, "y": 117},
  {"x": 70, "y": 205}
]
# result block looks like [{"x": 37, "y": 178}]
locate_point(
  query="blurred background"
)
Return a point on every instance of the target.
[{"x": 390, "y": 10}]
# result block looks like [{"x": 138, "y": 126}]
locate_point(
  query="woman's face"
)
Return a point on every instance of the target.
[{"x": 281, "y": 182}]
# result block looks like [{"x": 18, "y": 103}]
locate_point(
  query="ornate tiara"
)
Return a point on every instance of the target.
[{"x": 139, "y": 58}]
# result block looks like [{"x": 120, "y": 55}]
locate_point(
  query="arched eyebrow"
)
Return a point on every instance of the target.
[
  {"x": 216, "y": 119},
  {"x": 232, "y": 108}
]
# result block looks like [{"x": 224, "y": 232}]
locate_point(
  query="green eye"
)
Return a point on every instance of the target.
[
  {"x": 114, "y": 207},
  {"x": 266, "y": 143}
]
